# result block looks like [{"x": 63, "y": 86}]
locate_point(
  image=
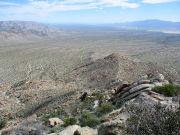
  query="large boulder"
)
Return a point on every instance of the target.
[
  {"x": 69, "y": 130},
  {"x": 77, "y": 130},
  {"x": 85, "y": 131},
  {"x": 111, "y": 128},
  {"x": 159, "y": 77},
  {"x": 55, "y": 122}
]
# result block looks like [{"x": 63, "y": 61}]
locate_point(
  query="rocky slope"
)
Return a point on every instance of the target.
[
  {"x": 114, "y": 81},
  {"x": 113, "y": 69}
]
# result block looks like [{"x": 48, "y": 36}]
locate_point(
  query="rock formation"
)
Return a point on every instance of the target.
[{"x": 127, "y": 92}]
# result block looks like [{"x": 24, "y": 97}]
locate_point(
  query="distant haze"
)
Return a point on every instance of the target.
[{"x": 89, "y": 11}]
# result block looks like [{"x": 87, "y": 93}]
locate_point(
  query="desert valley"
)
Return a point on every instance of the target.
[{"x": 89, "y": 79}]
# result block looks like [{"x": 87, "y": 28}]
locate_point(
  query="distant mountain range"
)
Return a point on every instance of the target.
[
  {"x": 25, "y": 29},
  {"x": 151, "y": 25}
]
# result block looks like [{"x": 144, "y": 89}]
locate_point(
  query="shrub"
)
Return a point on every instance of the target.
[
  {"x": 56, "y": 113},
  {"x": 89, "y": 119},
  {"x": 18, "y": 84},
  {"x": 105, "y": 108},
  {"x": 169, "y": 90},
  {"x": 70, "y": 121},
  {"x": 156, "y": 121},
  {"x": 87, "y": 104},
  {"x": 56, "y": 129},
  {"x": 3, "y": 122}
]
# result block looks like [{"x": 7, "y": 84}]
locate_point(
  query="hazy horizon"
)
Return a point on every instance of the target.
[{"x": 89, "y": 11}]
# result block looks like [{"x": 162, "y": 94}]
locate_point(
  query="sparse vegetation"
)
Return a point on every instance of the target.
[
  {"x": 89, "y": 119},
  {"x": 70, "y": 121},
  {"x": 157, "y": 121},
  {"x": 56, "y": 129},
  {"x": 3, "y": 122},
  {"x": 18, "y": 84},
  {"x": 169, "y": 90},
  {"x": 73, "y": 61},
  {"x": 56, "y": 113},
  {"x": 87, "y": 104},
  {"x": 104, "y": 108}
]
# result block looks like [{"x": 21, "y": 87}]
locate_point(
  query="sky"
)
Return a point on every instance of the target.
[{"x": 89, "y": 11}]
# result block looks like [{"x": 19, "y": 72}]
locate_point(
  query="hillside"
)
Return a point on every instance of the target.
[
  {"x": 114, "y": 79},
  {"x": 103, "y": 72},
  {"x": 106, "y": 73}
]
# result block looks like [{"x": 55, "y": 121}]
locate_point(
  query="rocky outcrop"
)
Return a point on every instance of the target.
[
  {"x": 77, "y": 130},
  {"x": 111, "y": 128},
  {"x": 127, "y": 92},
  {"x": 85, "y": 131}
]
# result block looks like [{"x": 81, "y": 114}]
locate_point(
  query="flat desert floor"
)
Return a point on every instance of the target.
[{"x": 49, "y": 57}]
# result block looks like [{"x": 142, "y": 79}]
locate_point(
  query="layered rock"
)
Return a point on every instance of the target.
[{"x": 127, "y": 92}]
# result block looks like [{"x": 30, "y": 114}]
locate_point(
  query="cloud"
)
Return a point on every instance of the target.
[
  {"x": 157, "y": 1},
  {"x": 81, "y": 4},
  {"x": 7, "y": 4},
  {"x": 64, "y": 5},
  {"x": 43, "y": 8}
]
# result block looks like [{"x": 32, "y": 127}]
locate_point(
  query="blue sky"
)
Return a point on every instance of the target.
[{"x": 89, "y": 11}]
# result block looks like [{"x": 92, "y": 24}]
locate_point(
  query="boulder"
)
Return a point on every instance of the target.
[
  {"x": 55, "y": 122},
  {"x": 159, "y": 77},
  {"x": 69, "y": 130},
  {"x": 137, "y": 89},
  {"x": 165, "y": 82},
  {"x": 85, "y": 131},
  {"x": 77, "y": 130},
  {"x": 111, "y": 128},
  {"x": 157, "y": 84},
  {"x": 96, "y": 104}
]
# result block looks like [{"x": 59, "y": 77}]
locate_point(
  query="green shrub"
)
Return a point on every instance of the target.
[
  {"x": 89, "y": 119},
  {"x": 153, "y": 121},
  {"x": 70, "y": 121},
  {"x": 3, "y": 122},
  {"x": 56, "y": 113},
  {"x": 87, "y": 104},
  {"x": 169, "y": 90},
  {"x": 99, "y": 95},
  {"x": 18, "y": 84},
  {"x": 56, "y": 129},
  {"x": 105, "y": 108}
]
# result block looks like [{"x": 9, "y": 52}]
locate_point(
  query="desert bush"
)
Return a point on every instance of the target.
[
  {"x": 56, "y": 113},
  {"x": 89, "y": 119},
  {"x": 87, "y": 104},
  {"x": 157, "y": 121},
  {"x": 104, "y": 108},
  {"x": 3, "y": 122},
  {"x": 18, "y": 84},
  {"x": 56, "y": 129},
  {"x": 99, "y": 95},
  {"x": 169, "y": 90},
  {"x": 70, "y": 121}
]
